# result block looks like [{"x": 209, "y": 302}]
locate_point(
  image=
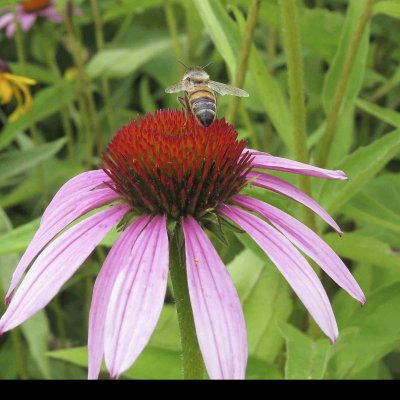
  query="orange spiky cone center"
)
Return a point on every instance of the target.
[{"x": 167, "y": 163}]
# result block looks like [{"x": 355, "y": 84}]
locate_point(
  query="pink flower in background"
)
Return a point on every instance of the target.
[
  {"x": 167, "y": 168},
  {"x": 27, "y": 14}
]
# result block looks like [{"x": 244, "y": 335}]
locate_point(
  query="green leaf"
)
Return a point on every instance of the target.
[
  {"x": 371, "y": 333},
  {"x": 389, "y": 8},
  {"x": 56, "y": 173},
  {"x": 34, "y": 71},
  {"x": 123, "y": 8},
  {"x": 37, "y": 331},
  {"x": 47, "y": 102},
  {"x": 117, "y": 63},
  {"x": 361, "y": 166},
  {"x": 17, "y": 162},
  {"x": 344, "y": 135},
  {"x": 266, "y": 302},
  {"x": 385, "y": 114},
  {"x": 354, "y": 11},
  {"x": 366, "y": 209},
  {"x": 364, "y": 249},
  {"x": 17, "y": 240},
  {"x": 305, "y": 358},
  {"x": 319, "y": 29},
  {"x": 153, "y": 363},
  {"x": 226, "y": 36}
]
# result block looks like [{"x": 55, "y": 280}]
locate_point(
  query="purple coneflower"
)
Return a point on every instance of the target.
[
  {"x": 27, "y": 13},
  {"x": 160, "y": 171}
]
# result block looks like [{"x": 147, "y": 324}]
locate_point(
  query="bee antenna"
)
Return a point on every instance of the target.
[
  {"x": 180, "y": 62},
  {"x": 207, "y": 65}
]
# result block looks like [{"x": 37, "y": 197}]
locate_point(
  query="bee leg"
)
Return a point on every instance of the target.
[{"x": 185, "y": 105}]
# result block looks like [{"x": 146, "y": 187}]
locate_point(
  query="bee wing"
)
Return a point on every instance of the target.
[
  {"x": 223, "y": 89},
  {"x": 179, "y": 87}
]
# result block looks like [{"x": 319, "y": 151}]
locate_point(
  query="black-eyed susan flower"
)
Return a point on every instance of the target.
[
  {"x": 15, "y": 87},
  {"x": 168, "y": 170}
]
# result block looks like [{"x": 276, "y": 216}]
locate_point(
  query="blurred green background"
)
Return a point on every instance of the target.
[{"x": 97, "y": 70}]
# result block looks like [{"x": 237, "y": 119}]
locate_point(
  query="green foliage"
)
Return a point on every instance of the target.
[{"x": 91, "y": 81}]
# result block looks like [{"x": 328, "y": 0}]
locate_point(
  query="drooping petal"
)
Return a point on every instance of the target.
[
  {"x": 10, "y": 29},
  {"x": 83, "y": 182},
  {"x": 6, "y": 19},
  {"x": 217, "y": 312},
  {"x": 267, "y": 161},
  {"x": 56, "y": 264},
  {"x": 50, "y": 13},
  {"x": 118, "y": 258},
  {"x": 292, "y": 265},
  {"x": 307, "y": 241},
  {"x": 26, "y": 20},
  {"x": 137, "y": 298},
  {"x": 63, "y": 211},
  {"x": 287, "y": 189}
]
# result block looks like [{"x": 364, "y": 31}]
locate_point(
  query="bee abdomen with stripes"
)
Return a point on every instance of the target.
[{"x": 202, "y": 103}]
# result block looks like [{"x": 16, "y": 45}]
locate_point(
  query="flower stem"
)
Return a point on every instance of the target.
[
  {"x": 290, "y": 25},
  {"x": 105, "y": 89},
  {"x": 65, "y": 119},
  {"x": 341, "y": 87},
  {"x": 19, "y": 46},
  {"x": 173, "y": 31},
  {"x": 193, "y": 366},
  {"x": 87, "y": 104},
  {"x": 249, "y": 29}
]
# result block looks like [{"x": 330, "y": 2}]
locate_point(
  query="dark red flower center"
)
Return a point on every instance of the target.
[
  {"x": 35, "y": 5},
  {"x": 169, "y": 164}
]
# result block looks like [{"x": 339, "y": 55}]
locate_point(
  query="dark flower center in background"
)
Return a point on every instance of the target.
[
  {"x": 35, "y": 5},
  {"x": 3, "y": 66},
  {"x": 168, "y": 164}
]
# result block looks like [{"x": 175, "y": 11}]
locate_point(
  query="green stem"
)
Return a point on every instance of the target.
[
  {"x": 385, "y": 88},
  {"x": 105, "y": 89},
  {"x": 65, "y": 120},
  {"x": 87, "y": 104},
  {"x": 173, "y": 31},
  {"x": 271, "y": 47},
  {"x": 19, "y": 45},
  {"x": 249, "y": 29},
  {"x": 341, "y": 87},
  {"x": 193, "y": 366},
  {"x": 290, "y": 26},
  {"x": 19, "y": 354},
  {"x": 249, "y": 127}
]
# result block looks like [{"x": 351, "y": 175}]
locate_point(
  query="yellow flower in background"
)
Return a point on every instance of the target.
[{"x": 15, "y": 86}]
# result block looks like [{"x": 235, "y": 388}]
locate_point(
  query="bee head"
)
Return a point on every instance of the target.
[{"x": 196, "y": 74}]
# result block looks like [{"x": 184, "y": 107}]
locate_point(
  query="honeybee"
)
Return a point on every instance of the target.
[{"x": 199, "y": 94}]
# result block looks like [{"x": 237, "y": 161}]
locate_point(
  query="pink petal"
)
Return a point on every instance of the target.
[
  {"x": 307, "y": 241},
  {"x": 287, "y": 189},
  {"x": 292, "y": 265},
  {"x": 6, "y": 19},
  {"x": 57, "y": 263},
  {"x": 83, "y": 182},
  {"x": 137, "y": 298},
  {"x": 50, "y": 13},
  {"x": 26, "y": 20},
  {"x": 10, "y": 29},
  {"x": 265, "y": 160},
  {"x": 59, "y": 214},
  {"x": 118, "y": 258},
  {"x": 217, "y": 312}
]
